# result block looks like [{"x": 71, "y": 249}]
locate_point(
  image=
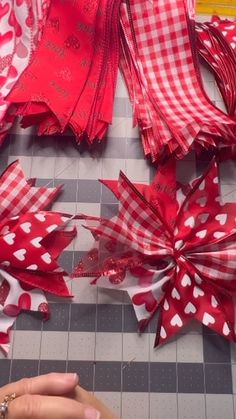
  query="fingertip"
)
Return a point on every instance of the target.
[{"x": 91, "y": 413}]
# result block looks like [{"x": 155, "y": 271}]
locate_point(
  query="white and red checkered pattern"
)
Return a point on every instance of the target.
[
  {"x": 176, "y": 255},
  {"x": 159, "y": 63}
]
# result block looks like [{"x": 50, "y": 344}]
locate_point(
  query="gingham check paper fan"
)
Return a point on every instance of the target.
[
  {"x": 172, "y": 248},
  {"x": 160, "y": 66},
  {"x": 31, "y": 240}
]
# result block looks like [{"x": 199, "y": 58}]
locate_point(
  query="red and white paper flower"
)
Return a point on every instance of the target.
[
  {"x": 31, "y": 240},
  {"x": 172, "y": 248}
]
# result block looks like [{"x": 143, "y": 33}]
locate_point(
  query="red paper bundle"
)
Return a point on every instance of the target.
[
  {"x": 172, "y": 248},
  {"x": 71, "y": 80}
]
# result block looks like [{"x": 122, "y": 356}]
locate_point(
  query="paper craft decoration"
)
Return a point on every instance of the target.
[
  {"x": 21, "y": 25},
  {"x": 31, "y": 240},
  {"x": 172, "y": 248},
  {"x": 79, "y": 53},
  {"x": 160, "y": 66},
  {"x": 216, "y": 43}
]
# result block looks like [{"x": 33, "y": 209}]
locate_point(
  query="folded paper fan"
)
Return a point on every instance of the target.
[
  {"x": 31, "y": 240},
  {"x": 216, "y": 43},
  {"x": 159, "y": 63},
  {"x": 172, "y": 247}
]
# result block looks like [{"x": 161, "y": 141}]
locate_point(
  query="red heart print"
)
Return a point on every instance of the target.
[
  {"x": 6, "y": 37},
  {"x": 13, "y": 22},
  {"x": 4, "y": 291},
  {"x": 4, "y": 10},
  {"x": 4, "y": 338},
  {"x": 144, "y": 275},
  {"x": 146, "y": 298},
  {"x": 24, "y": 303}
]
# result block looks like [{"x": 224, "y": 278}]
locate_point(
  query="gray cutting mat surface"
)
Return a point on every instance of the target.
[{"x": 193, "y": 376}]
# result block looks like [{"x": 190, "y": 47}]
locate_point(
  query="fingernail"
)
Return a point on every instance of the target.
[
  {"x": 91, "y": 414},
  {"x": 72, "y": 377}
]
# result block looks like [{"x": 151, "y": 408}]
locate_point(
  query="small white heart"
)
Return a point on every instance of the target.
[
  {"x": 163, "y": 333},
  {"x": 190, "y": 308},
  {"x": 32, "y": 267},
  {"x": 218, "y": 199},
  {"x": 224, "y": 33},
  {"x": 5, "y": 230},
  {"x": 226, "y": 330},
  {"x": 186, "y": 280},
  {"x": 175, "y": 294},
  {"x": 176, "y": 321},
  {"x": 234, "y": 38},
  {"x": 51, "y": 228},
  {"x": 46, "y": 257},
  {"x": 218, "y": 234},
  {"x": 64, "y": 219},
  {"x": 208, "y": 319},
  {"x": 203, "y": 217},
  {"x": 40, "y": 217},
  {"x": 222, "y": 218},
  {"x": 201, "y": 234},
  {"x": 202, "y": 185},
  {"x": 229, "y": 28},
  {"x": 26, "y": 227},
  {"x": 9, "y": 238},
  {"x": 207, "y": 43},
  {"x": 166, "y": 305},
  {"x": 214, "y": 302},
  {"x": 36, "y": 242},
  {"x": 198, "y": 279},
  {"x": 197, "y": 292},
  {"x": 179, "y": 244},
  {"x": 190, "y": 222},
  {"x": 202, "y": 201},
  {"x": 176, "y": 231},
  {"x": 233, "y": 44},
  {"x": 216, "y": 180},
  {"x": 20, "y": 254}
]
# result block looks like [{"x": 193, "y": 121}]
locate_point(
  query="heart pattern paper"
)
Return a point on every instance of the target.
[
  {"x": 80, "y": 60},
  {"x": 21, "y": 23},
  {"x": 31, "y": 240},
  {"x": 216, "y": 44},
  {"x": 172, "y": 248}
]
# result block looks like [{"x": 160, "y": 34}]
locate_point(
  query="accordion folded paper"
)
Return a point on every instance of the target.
[
  {"x": 216, "y": 43},
  {"x": 31, "y": 240},
  {"x": 161, "y": 69},
  {"x": 172, "y": 247}
]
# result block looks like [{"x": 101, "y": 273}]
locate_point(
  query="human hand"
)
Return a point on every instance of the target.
[
  {"x": 87, "y": 398},
  {"x": 43, "y": 397}
]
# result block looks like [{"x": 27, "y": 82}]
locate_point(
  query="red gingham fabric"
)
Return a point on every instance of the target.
[
  {"x": 169, "y": 102},
  {"x": 172, "y": 248}
]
